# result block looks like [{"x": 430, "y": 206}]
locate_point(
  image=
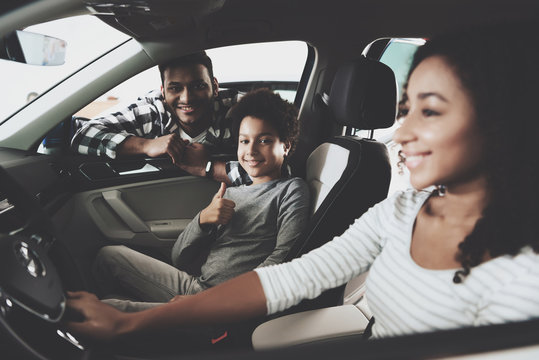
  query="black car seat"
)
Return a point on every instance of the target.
[{"x": 347, "y": 174}]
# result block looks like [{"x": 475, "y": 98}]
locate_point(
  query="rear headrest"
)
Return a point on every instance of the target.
[{"x": 364, "y": 95}]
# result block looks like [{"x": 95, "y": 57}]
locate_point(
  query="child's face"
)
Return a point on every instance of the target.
[{"x": 260, "y": 151}]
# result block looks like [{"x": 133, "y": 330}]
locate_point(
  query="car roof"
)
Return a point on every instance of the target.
[
  {"x": 316, "y": 19},
  {"x": 343, "y": 25}
]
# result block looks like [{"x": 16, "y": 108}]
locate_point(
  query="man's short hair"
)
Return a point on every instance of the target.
[{"x": 197, "y": 58}]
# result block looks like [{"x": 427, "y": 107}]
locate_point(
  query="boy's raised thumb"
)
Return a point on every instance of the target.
[{"x": 221, "y": 191}]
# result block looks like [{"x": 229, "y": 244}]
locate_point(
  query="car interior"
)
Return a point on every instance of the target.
[{"x": 58, "y": 208}]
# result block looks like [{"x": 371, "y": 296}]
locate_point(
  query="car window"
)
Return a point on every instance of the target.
[
  {"x": 398, "y": 56},
  {"x": 276, "y": 65},
  {"x": 26, "y": 82}
]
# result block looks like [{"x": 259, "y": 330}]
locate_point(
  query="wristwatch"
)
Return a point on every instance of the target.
[{"x": 209, "y": 169}]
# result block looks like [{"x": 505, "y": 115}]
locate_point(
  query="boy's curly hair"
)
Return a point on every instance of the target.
[{"x": 268, "y": 106}]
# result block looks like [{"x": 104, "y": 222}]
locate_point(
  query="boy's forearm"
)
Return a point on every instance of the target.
[{"x": 190, "y": 242}]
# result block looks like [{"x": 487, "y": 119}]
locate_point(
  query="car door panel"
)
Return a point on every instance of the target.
[
  {"x": 160, "y": 208},
  {"x": 150, "y": 213}
]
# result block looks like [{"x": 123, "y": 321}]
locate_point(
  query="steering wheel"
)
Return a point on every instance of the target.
[{"x": 32, "y": 300}]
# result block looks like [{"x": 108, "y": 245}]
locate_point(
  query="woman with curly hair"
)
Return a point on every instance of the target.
[
  {"x": 243, "y": 228},
  {"x": 458, "y": 250}
]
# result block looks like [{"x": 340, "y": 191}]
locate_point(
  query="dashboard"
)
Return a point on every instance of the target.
[
  {"x": 32, "y": 299},
  {"x": 10, "y": 219}
]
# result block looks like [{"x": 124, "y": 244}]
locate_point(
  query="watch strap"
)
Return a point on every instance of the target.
[{"x": 209, "y": 169}]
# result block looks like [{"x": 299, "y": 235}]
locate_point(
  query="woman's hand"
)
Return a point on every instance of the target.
[
  {"x": 99, "y": 321},
  {"x": 220, "y": 210},
  {"x": 244, "y": 299}
]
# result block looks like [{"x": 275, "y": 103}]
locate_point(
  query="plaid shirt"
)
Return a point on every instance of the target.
[{"x": 148, "y": 118}]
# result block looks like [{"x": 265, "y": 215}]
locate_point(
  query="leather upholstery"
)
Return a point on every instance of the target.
[
  {"x": 364, "y": 95},
  {"x": 343, "y": 189},
  {"x": 356, "y": 174}
]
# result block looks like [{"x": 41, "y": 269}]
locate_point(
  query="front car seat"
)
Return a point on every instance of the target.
[{"x": 348, "y": 174}]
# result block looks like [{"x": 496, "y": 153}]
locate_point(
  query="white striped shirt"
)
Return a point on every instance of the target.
[{"x": 404, "y": 297}]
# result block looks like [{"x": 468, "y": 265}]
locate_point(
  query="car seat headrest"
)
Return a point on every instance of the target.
[{"x": 364, "y": 95}]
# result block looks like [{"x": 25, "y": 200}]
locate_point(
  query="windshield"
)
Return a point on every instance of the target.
[{"x": 87, "y": 38}]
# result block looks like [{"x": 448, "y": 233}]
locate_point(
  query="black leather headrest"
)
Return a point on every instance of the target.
[{"x": 364, "y": 95}]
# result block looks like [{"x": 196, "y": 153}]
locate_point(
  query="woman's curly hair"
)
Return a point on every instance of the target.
[
  {"x": 268, "y": 106},
  {"x": 499, "y": 68}
]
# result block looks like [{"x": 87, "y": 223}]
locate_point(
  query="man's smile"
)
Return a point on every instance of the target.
[{"x": 186, "y": 108}]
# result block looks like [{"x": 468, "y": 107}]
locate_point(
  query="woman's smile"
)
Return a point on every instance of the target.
[{"x": 413, "y": 160}]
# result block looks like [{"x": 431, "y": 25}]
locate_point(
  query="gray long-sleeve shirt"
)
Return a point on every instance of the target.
[{"x": 268, "y": 219}]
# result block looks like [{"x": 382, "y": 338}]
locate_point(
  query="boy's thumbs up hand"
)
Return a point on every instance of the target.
[
  {"x": 221, "y": 192},
  {"x": 220, "y": 210}
]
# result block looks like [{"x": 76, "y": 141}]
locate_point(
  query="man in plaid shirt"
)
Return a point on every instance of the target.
[{"x": 185, "y": 120}]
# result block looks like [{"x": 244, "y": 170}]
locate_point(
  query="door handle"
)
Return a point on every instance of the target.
[{"x": 114, "y": 199}]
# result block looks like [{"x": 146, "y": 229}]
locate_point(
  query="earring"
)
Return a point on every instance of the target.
[
  {"x": 460, "y": 275},
  {"x": 441, "y": 190},
  {"x": 401, "y": 163}
]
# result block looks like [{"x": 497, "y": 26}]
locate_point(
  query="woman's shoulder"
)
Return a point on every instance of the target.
[
  {"x": 527, "y": 260},
  {"x": 511, "y": 277},
  {"x": 508, "y": 268}
]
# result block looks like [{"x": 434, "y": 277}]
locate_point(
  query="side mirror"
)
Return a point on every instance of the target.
[{"x": 34, "y": 49}]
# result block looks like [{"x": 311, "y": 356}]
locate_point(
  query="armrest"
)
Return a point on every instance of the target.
[{"x": 309, "y": 326}]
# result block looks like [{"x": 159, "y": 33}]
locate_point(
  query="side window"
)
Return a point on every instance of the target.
[
  {"x": 123, "y": 95},
  {"x": 278, "y": 66},
  {"x": 397, "y": 54}
]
